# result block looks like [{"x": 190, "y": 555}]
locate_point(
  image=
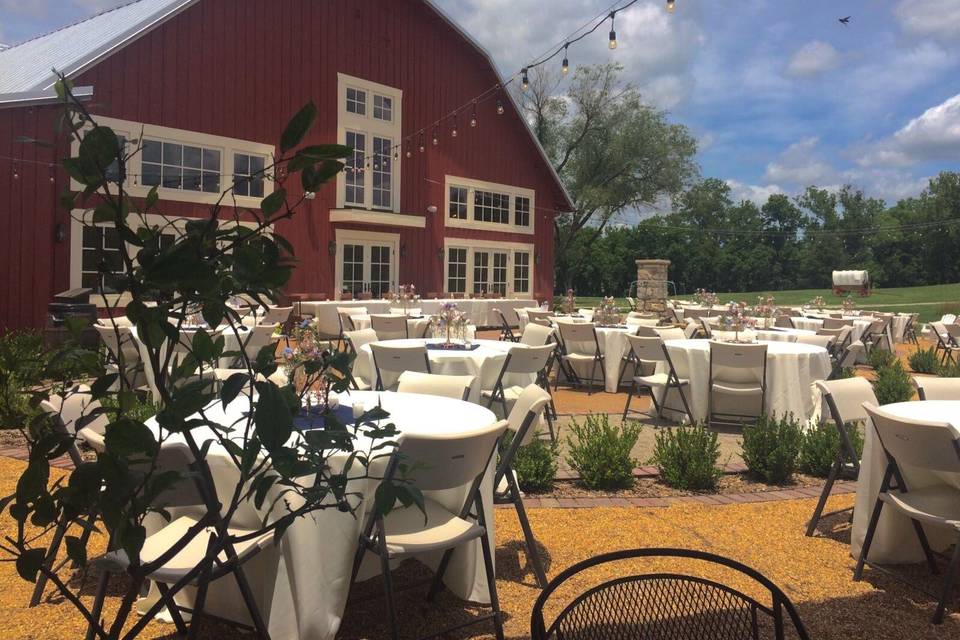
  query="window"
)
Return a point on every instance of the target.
[
  {"x": 491, "y": 207},
  {"x": 353, "y": 267},
  {"x": 521, "y": 206},
  {"x": 456, "y": 270},
  {"x": 248, "y": 175},
  {"x": 369, "y": 122},
  {"x": 521, "y": 272},
  {"x": 101, "y": 247},
  {"x": 458, "y": 203},
  {"x": 366, "y": 261},
  {"x": 485, "y": 267},
  {"x": 356, "y": 101},
  {"x": 354, "y": 169},
  {"x": 382, "y": 173},
  {"x": 178, "y": 166},
  {"x": 382, "y": 108},
  {"x": 485, "y": 205}
]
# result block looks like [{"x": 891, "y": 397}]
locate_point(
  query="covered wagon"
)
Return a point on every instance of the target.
[{"x": 851, "y": 281}]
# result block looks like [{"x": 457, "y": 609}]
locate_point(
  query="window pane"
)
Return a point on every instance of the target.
[
  {"x": 152, "y": 151},
  {"x": 171, "y": 177},
  {"x": 522, "y": 211},
  {"x": 211, "y": 182},
  {"x": 191, "y": 179},
  {"x": 172, "y": 154},
  {"x": 356, "y": 101},
  {"x": 151, "y": 174},
  {"x": 354, "y": 170},
  {"x": 241, "y": 164},
  {"x": 382, "y": 173},
  {"x": 191, "y": 157},
  {"x": 211, "y": 160}
]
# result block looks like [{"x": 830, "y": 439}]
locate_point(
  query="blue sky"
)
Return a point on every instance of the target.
[{"x": 779, "y": 93}]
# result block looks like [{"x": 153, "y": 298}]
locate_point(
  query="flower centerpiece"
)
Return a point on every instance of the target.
[
  {"x": 607, "y": 313},
  {"x": 706, "y": 298},
  {"x": 818, "y": 302},
  {"x": 449, "y": 321},
  {"x": 765, "y": 310},
  {"x": 304, "y": 363},
  {"x": 849, "y": 306},
  {"x": 404, "y": 297},
  {"x": 569, "y": 305},
  {"x": 736, "y": 320}
]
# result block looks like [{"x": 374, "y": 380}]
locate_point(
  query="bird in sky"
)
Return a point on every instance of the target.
[{"x": 845, "y": 20}]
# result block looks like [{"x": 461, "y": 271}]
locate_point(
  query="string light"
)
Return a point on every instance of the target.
[
  {"x": 499, "y": 107},
  {"x": 16, "y": 171},
  {"x": 473, "y": 115},
  {"x": 613, "y": 32},
  {"x": 671, "y": 6},
  {"x": 565, "y": 67},
  {"x": 436, "y": 136},
  {"x": 453, "y": 130},
  {"x": 422, "y": 148},
  {"x": 53, "y": 178},
  {"x": 524, "y": 81},
  {"x": 409, "y": 153}
]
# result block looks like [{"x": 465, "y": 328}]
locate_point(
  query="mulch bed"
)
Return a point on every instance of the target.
[{"x": 651, "y": 487}]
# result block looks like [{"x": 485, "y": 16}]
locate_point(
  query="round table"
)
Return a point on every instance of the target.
[
  {"x": 895, "y": 540},
  {"x": 301, "y": 585},
  {"x": 782, "y": 334},
  {"x": 792, "y": 369},
  {"x": 812, "y": 324},
  {"x": 484, "y": 362}
]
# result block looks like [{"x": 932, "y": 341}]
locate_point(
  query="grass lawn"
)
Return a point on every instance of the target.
[{"x": 930, "y": 302}]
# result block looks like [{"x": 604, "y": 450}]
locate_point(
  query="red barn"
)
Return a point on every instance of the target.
[{"x": 211, "y": 83}]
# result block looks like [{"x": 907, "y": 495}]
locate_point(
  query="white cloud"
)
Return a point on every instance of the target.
[
  {"x": 930, "y": 18},
  {"x": 932, "y": 136},
  {"x": 800, "y": 164},
  {"x": 758, "y": 194},
  {"x": 813, "y": 59}
]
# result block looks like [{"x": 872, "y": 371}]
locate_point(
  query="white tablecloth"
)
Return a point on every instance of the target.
[
  {"x": 791, "y": 371},
  {"x": 812, "y": 324},
  {"x": 895, "y": 540},
  {"x": 302, "y": 585},
  {"x": 614, "y": 346},
  {"x": 485, "y": 362},
  {"x": 479, "y": 312},
  {"x": 782, "y": 334},
  {"x": 415, "y": 326}
]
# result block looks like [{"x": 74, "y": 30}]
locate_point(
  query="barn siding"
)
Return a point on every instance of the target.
[{"x": 241, "y": 68}]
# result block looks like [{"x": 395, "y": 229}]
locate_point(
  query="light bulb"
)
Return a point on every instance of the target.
[
  {"x": 613, "y": 39},
  {"x": 453, "y": 131},
  {"x": 436, "y": 138},
  {"x": 524, "y": 80},
  {"x": 565, "y": 67},
  {"x": 422, "y": 148},
  {"x": 473, "y": 120},
  {"x": 671, "y": 6},
  {"x": 409, "y": 153},
  {"x": 499, "y": 107}
]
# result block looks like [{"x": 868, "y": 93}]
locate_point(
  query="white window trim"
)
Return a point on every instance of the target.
[
  {"x": 378, "y": 217},
  {"x": 369, "y": 126},
  {"x": 352, "y": 236},
  {"x": 486, "y": 245},
  {"x": 84, "y": 217},
  {"x": 472, "y": 186}
]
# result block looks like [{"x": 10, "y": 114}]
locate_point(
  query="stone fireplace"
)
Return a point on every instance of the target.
[{"x": 652, "y": 288}]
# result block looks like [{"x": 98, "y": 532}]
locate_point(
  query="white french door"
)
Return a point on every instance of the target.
[
  {"x": 490, "y": 272},
  {"x": 366, "y": 263}
]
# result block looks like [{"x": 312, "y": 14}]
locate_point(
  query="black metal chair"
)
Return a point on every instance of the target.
[{"x": 666, "y": 605}]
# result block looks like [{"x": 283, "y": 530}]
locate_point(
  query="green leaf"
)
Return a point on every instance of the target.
[
  {"x": 126, "y": 436},
  {"x": 232, "y": 388},
  {"x": 298, "y": 127},
  {"x": 76, "y": 551},
  {"x": 29, "y": 563},
  {"x": 202, "y": 345},
  {"x": 273, "y": 419},
  {"x": 99, "y": 148},
  {"x": 263, "y": 486},
  {"x": 152, "y": 197},
  {"x": 132, "y": 537},
  {"x": 386, "y": 497},
  {"x": 272, "y": 203}
]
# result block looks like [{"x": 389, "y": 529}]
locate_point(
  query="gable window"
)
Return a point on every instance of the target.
[
  {"x": 490, "y": 266},
  {"x": 369, "y": 122},
  {"x": 179, "y": 166},
  {"x": 248, "y": 174},
  {"x": 486, "y": 205}
]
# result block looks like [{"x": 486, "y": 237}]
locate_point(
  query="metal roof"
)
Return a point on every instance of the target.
[{"x": 26, "y": 69}]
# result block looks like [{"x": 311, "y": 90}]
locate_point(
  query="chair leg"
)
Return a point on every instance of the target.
[
  {"x": 437, "y": 583},
  {"x": 948, "y": 581},
  {"x": 925, "y": 545},
  {"x": 686, "y": 405},
  {"x": 48, "y": 561},
  {"x": 198, "y": 603},
  {"x": 827, "y": 486},
  {"x": 626, "y": 407},
  {"x": 530, "y": 541},
  {"x": 388, "y": 585},
  {"x": 593, "y": 374},
  {"x": 173, "y": 609},
  {"x": 492, "y": 585},
  {"x": 868, "y": 539},
  {"x": 553, "y": 436}
]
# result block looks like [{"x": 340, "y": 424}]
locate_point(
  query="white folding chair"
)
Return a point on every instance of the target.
[
  {"x": 844, "y": 401},
  {"x": 535, "y": 361},
  {"x": 390, "y": 362},
  {"x": 536, "y": 335},
  {"x": 80, "y": 417},
  {"x": 670, "y": 333},
  {"x": 825, "y": 342},
  {"x": 275, "y": 315},
  {"x": 437, "y": 462},
  {"x": 937, "y": 388},
  {"x": 932, "y": 446},
  {"x": 540, "y": 317},
  {"x": 736, "y": 371},
  {"x": 120, "y": 345},
  {"x": 581, "y": 348},
  {"x": 389, "y": 326},
  {"x": 434, "y": 384},
  {"x": 652, "y": 352},
  {"x": 530, "y": 404},
  {"x": 355, "y": 340}
]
